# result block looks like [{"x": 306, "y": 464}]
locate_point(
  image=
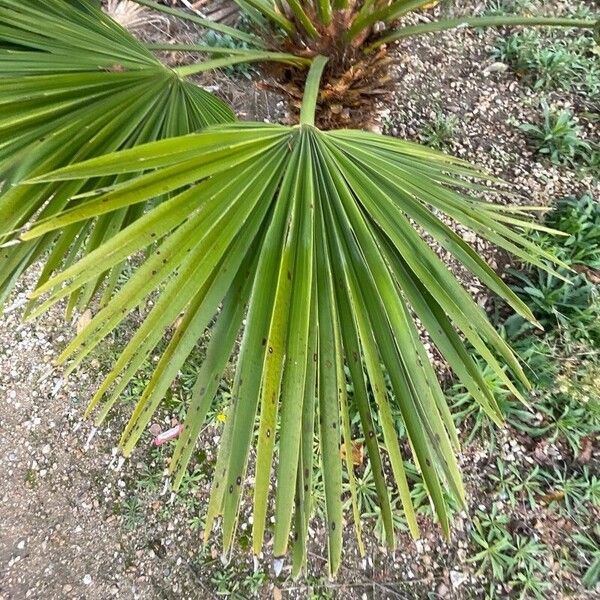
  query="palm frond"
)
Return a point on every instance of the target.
[
  {"x": 132, "y": 16},
  {"x": 74, "y": 85},
  {"x": 310, "y": 236}
]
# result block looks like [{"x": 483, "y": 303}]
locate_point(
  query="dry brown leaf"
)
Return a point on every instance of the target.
[
  {"x": 84, "y": 320},
  {"x": 553, "y": 497},
  {"x": 592, "y": 274},
  {"x": 358, "y": 453},
  {"x": 585, "y": 455}
]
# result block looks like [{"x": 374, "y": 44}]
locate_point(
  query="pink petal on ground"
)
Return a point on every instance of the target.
[{"x": 167, "y": 436}]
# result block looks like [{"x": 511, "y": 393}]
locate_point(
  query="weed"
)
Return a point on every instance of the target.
[
  {"x": 197, "y": 522},
  {"x": 149, "y": 479},
  {"x": 591, "y": 486},
  {"x": 517, "y": 486},
  {"x": 509, "y": 561},
  {"x": 564, "y": 419},
  {"x": 495, "y": 547},
  {"x": 440, "y": 131},
  {"x": 31, "y": 479},
  {"x": 558, "y": 137},
  {"x": 507, "y": 7},
  {"x": 566, "y": 493},
  {"x": 552, "y": 61},
  {"x": 558, "y": 300},
  {"x": 366, "y": 492},
  {"x": 225, "y": 582},
  {"x": 398, "y": 519},
  {"x": 420, "y": 496},
  {"x": 563, "y": 363},
  {"x": 471, "y": 416},
  {"x": 540, "y": 357},
  {"x": 580, "y": 219},
  {"x": 254, "y": 582},
  {"x": 566, "y": 301},
  {"x": 132, "y": 512},
  {"x": 530, "y": 584},
  {"x": 588, "y": 545},
  {"x": 216, "y": 39},
  {"x": 318, "y": 589}
]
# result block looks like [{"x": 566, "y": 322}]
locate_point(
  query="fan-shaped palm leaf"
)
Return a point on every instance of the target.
[
  {"x": 310, "y": 236},
  {"x": 73, "y": 85}
]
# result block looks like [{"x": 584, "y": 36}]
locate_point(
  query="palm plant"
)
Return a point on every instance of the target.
[
  {"x": 301, "y": 240},
  {"x": 352, "y": 34},
  {"x": 76, "y": 85}
]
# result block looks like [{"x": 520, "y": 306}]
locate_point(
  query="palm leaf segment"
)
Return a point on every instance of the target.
[
  {"x": 310, "y": 236},
  {"x": 74, "y": 85}
]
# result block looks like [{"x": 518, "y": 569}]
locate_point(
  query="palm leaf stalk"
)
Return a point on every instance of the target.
[
  {"x": 475, "y": 22},
  {"x": 303, "y": 242}
]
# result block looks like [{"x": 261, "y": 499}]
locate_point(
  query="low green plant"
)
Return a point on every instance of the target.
[
  {"x": 318, "y": 589},
  {"x": 552, "y": 61},
  {"x": 510, "y": 562},
  {"x": 366, "y": 491},
  {"x": 150, "y": 479},
  {"x": 579, "y": 218},
  {"x": 226, "y": 42},
  {"x": 565, "y": 492},
  {"x": 565, "y": 419},
  {"x": 420, "y": 495},
  {"x": 494, "y": 552},
  {"x": 540, "y": 355},
  {"x": 558, "y": 137},
  {"x": 226, "y": 582},
  {"x": 530, "y": 582},
  {"x": 567, "y": 301},
  {"x": 591, "y": 485},
  {"x": 132, "y": 512},
  {"x": 558, "y": 300},
  {"x": 588, "y": 544},
  {"x": 509, "y": 7},
  {"x": 516, "y": 486},
  {"x": 493, "y": 542},
  {"x": 563, "y": 362},
  {"x": 563, "y": 405},
  {"x": 379, "y": 527},
  {"x": 471, "y": 417},
  {"x": 254, "y": 582},
  {"x": 440, "y": 131}
]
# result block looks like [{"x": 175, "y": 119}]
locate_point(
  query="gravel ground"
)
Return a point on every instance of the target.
[{"x": 75, "y": 523}]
